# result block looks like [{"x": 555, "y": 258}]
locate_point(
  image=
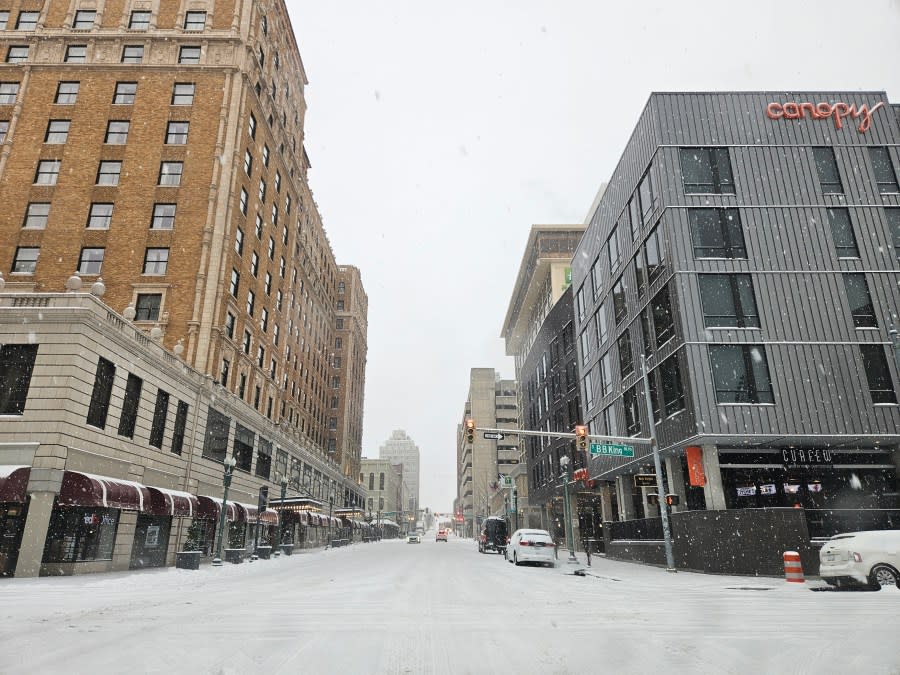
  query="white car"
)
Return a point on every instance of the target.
[
  {"x": 527, "y": 546},
  {"x": 413, "y": 539},
  {"x": 868, "y": 558}
]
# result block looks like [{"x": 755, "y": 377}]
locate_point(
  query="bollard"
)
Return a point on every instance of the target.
[{"x": 793, "y": 569}]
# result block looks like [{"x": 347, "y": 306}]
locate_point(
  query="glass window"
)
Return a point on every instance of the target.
[
  {"x": 8, "y": 92},
  {"x": 251, "y": 125},
  {"x": 706, "y": 171},
  {"x": 156, "y": 260},
  {"x": 125, "y": 93},
  {"x": 130, "y": 405},
  {"x": 655, "y": 252},
  {"x": 646, "y": 331},
  {"x": 80, "y": 534},
  {"x": 663, "y": 321},
  {"x": 36, "y": 215},
  {"x": 672, "y": 390},
  {"x": 57, "y": 132},
  {"x": 265, "y": 154},
  {"x": 16, "y": 366},
  {"x": 117, "y": 132},
  {"x": 147, "y": 306},
  {"x": 262, "y": 190},
  {"x": 100, "y": 216},
  {"x": 189, "y": 54},
  {"x": 613, "y": 251},
  {"x": 248, "y": 163},
  {"x": 885, "y": 176},
  {"x": 139, "y": 20},
  {"x": 626, "y": 358},
  {"x": 620, "y": 307},
  {"x": 4, "y": 129},
  {"x": 605, "y": 373},
  {"x": 27, "y": 20},
  {"x": 893, "y": 220},
  {"x": 132, "y": 53},
  {"x": 91, "y": 260},
  {"x": 17, "y": 54},
  {"x": 47, "y": 172},
  {"x": 258, "y": 225},
  {"x": 596, "y": 278},
  {"x": 160, "y": 413},
  {"x": 251, "y": 302},
  {"x": 103, "y": 384},
  {"x": 717, "y": 233},
  {"x": 741, "y": 374},
  {"x": 235, "y": 282},
  {"x": 4, "y": 19},
  {"x": 215, "y": 441},
  {"x": 25, "y": 261},
  {"x": 183, "y": 93},
  {"x": 264, "y": 458},
  {"x": 177, "y": 133},
  {"x": 585, "y": 348},
  {"x": 76, "y": 54},
  {"x": 860, "y": 301},
  {"x": 602, "y": 330},
  {"x": 645, "y": 192},
  {"x": 181, "y": 416},
  {"x": 229, "y": 324},
  {"x": 108, "y": 173},
  {"x": 579, "y": 303},
  {"x": 878, "y": 376},
  {"x": 194, "y": 20},
  {"x": 66, "y": 93},
  {"x": 640, "y": 271},
  {"x": 244, "y": 201},
  {"x": 163, "y": 217},
  {"x": 170, "y": 173},
  {"x": 728, "y": 301},
  {"x": 254, "y": 263},
  {"x": 84, "y": 19},
  {"x": 631, "y": 400},
  {"x": 827, "y": 170},
  {"x": 239, "y": 241},
  {"x": 842, "y": 233}
]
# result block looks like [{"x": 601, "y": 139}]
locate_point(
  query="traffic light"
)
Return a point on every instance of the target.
[
  {"x": 470, "y": 431},
  {"x": 672, "y": 500},
  {"x": 581, "y": 436}
]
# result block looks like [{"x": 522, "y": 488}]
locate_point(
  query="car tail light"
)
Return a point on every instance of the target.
[
  {"x": 856, "y": 557},
  {"x": 507, "y": 540},
  {"x": 525, "y": 543}
]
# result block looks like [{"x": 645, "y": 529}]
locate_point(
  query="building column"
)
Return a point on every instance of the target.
[
  {"x": 121, "y": 559},
  {"x": 624, "y": 497},
  {"x": 31, "y": 551},
  {"x": 676, "y": 482},
  {"x": 606, "y": 502},
  {"x": 649, "y": 510},
  {"x": 713, "y": 491}
]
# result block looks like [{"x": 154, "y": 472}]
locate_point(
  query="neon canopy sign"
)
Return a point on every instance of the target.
[{"x": 838, "y": 111}]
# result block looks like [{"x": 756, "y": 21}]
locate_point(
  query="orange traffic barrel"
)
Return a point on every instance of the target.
[{"x": 793, "y": 568}]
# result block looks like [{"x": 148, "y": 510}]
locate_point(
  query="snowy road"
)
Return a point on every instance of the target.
[{"x": 437, "y": 608}]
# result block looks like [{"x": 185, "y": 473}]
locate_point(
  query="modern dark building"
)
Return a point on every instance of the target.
[{"x": 748, "y": 247}]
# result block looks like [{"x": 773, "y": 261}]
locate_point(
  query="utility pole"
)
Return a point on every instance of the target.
[{"x": 895, "y": 341}]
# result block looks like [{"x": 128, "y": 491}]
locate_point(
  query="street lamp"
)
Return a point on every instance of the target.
[
  {"x": 283, "y": 481},
  {"x": 567, "y": 508},
  {"x": 229, "y": 463}
]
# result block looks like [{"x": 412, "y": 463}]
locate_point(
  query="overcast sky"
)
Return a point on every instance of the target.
[{"x": 440, "y": 132}]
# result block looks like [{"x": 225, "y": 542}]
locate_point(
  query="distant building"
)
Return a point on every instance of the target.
[
  {"x": 381, "y": 481},
  {"x": 402, "y": 452}
]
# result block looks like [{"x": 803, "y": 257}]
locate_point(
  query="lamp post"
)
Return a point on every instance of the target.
[
  {"x": 229, "y": 464},
  {"x": 567, "y": 508},
  {"x": 284, "y": 484}
]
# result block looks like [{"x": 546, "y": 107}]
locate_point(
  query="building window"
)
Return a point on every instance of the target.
[
  {"x": 332, "y": 423},
  {"x": 860, "y": 301},
  {"x": 842, "y": 233},
  {"x": 673, "y": 392},
  {"x": 254, "y": 263},
  {"x": 229, "y": 324},
  {"x": 235, "y": 283},
  {"x": 225, "y": 371},
  {"x": 156, "y": 260},
  {"x": 258, "y": 225},
  {"x": 16, "y": 366},
  {"x": 215, "y": 440},
  {"x": 8, "y": 92},
  {"x": 76, "y": 54},
  {"x": 194, "y": 21},
  {"x": 160, "y": 412},
  {"x": 103, "y": 384},
  {"x": 4, "y": 19},
  {"x": 239, "y": 241},
  {"x": 147, "y": 306},
  {"x": 66, "y": 93},
  {"x": 338, "y": 343},
  {"x": 117, "y": 132},
  {"x": 632, "y": 403},
  {"x": 81, "y": 535},
  {"x": 91, "y": 261},
  {"x": 728, "y": 301},
  {"x": 248, "y": 163},
  {"x": 183, "y": 93},
  {"x": 130, "y": 405},
  {"x": 100, "y": 216},
  {"x": 139, "y": 20},
  {"x": 741, "y": 374},
  {"x": 663, "y": 321},
  {"x": 244, "y": 199},
  {"x": 262, "y": 190},
  {"x": 892, "y": 216},
  {"x": 251, "y": 125},
  {"x": 163, "y": 217},
  {"x": 878, "y": 376},
  {"x": 717, "y": 233},
  {"x": 27, "y": 20},
  {"x": 706, "y": 171},
  {"x": 25, "y": 261},
  {"x": 260, "y": 355},
  {"x": 17, "y": 54},
  {"x": 265, "y": 154},
  {"x": 613, "y": 251},
  {"x": 264, "y": 458},
  {"x": 47, "y": 172},
  {"x": 84, "y": 19},
  {"x": 245, "y": 345},
  {"x": 132, "y": 53},
  {"x": 645, "y": 192},
  {"x": 180, "y": 426},
  {"x": 626, "y": 358},
  {"x": 264, "y": 320},
  {"x": 177, "y": 133},
  {"x": 170, "y": 173},
  {"x": 267, "y": 284},
  {"x": 189, "y": 55},
  {"x": 620, "y": 308},
  {"x": 647, "y": 331},
  {"x": 36, "y": 215},
  {"x": 340, "y": 305},
  {"x": 251, "y": 302},
  {"x": 125, "y": 93},
  {"x": 885, "y": 175},
  {"x": 600, "y": 318},
  {"x": 827, "y": 170},
  {"x": 655, "y": 254},
  {"x": 4, "y": 129},
  {"x": 271, "y": 249},
  {"x": 108, "y": 173},
  {"x": 339, "y": 324}
]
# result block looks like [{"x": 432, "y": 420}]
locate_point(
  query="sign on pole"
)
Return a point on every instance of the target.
[
  {"x": 613, "y": 449},
  {"x": 507, "y": 482},
  {"x": 645, "y": 480},
  {"x": 494, "y": 435}
]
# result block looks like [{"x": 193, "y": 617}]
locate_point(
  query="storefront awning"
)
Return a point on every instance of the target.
[
  {"x": 86, "y": 489},
  {"x": 13, "y": 483},
  {"x": 269, "y": 516},
  {"x": 165, "y": 502},
  {"x": 208, "y": 508}
]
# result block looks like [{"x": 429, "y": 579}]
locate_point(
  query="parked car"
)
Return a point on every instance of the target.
[
  {"x": 869, "y": 558},
  {"x": 413, "y": 539},
  {"x": 531, "y": 546},
  {"x": 441, "y": 535},
  {"x": 494, "y": 535}
]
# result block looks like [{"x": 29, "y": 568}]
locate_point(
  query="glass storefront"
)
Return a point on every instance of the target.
[{"x": 81, "y": 534}]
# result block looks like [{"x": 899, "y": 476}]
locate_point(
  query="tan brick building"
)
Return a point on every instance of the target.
[{"x": 159, "y": 145}]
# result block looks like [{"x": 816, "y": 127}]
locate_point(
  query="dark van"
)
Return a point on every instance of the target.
[{"x": 494, "y": 535}]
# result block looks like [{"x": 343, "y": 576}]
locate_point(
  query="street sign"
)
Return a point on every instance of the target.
[
  {"x": 507, "y": 482},
  {"x": 645, "y": 480},
  {"x": 613, "y": 449},
  {"x": 494, "y": 435}
]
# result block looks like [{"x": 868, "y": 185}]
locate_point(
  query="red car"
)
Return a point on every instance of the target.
[{"x": 441, "y": 535}]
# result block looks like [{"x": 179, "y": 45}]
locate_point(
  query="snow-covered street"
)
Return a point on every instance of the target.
[{"x": 393, "y": 607}]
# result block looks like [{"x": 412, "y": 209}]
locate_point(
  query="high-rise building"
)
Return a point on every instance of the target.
[{"x": 402, "y": 451}]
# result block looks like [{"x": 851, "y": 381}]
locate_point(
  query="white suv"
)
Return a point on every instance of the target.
[
  {"x": 531, "y": 546},
  {"x": 868, "y": 558}
]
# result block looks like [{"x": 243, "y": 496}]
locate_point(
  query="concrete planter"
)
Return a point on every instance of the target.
[
  {"x": 264, "y": 552},
  {"x": 188, "y": 560},
  {"x": 234, "y": 555},
  {"x": 287, "y": 549}
]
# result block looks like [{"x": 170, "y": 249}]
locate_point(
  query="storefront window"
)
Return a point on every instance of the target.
[{"x": 79, "y": 534}]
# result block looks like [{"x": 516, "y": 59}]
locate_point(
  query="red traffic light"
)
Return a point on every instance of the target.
[
  {"x": 672, "y": 500},
  {"x": 581, "y": 436},
  {"x": 470, "y": 431}
]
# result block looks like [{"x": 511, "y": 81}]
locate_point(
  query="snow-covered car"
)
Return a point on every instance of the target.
[
  {"x": 869, "y": 558},
  {"x": 441, "y": 535},
  {"x": 531, "y": 546},
  {"x": 413, "y": 539}
]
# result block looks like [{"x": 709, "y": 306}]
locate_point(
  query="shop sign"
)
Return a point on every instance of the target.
[
  {"x": 152, "y": 538},
  {"x": 94, "y": 519},
  {"x": 694, "y": 455},
  {"x": 838, "y": 111},
  {"x": 806, "y": 457}
]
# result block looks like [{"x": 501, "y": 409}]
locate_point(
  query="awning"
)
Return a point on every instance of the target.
[
  {"x": 13, "y": 483},
  {"x": 269, "y": 516},
  {"x": 86, "y": 489},
  {"x": 172, "y": 502},
  {"x": 208, "y": 508}
]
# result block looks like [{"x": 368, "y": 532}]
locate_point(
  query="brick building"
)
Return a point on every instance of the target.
[{"x": 349, "y": 362}]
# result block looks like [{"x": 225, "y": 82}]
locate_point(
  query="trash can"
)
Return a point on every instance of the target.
[{"x": 188, "y": 560}]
